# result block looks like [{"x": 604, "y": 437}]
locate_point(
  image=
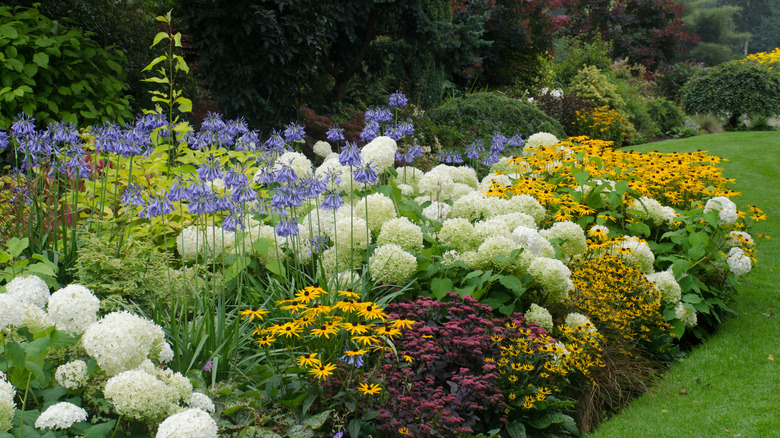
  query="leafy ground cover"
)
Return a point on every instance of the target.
[{"x": 726, "y": 386}]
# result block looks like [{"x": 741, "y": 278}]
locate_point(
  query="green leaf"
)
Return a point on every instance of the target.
[
  {"x": 61, "y": 339},
  {"x": 8, "y": 31},
  {"x": 16, "y": 246},
  {"x": 36, "y": 370},
  {"x": 157, "y": 38},
  {"x": 316, "y": 421},
  {"x": 582, "y": 177},
  {"x": 512, "y": 283},
  {"x": 41, "y": 59},
  {"x": 16, "y": 353},
  {"x": 154, "y": 62},
  {"x": 440, "y": 287},
  {"x": 30, "y": 70},
  {"x": 516, "y": 429},
  {"x": 37, "y": 346},
  {"x": 185, "y": 105},
  {"x": 275, "y": 267},
  {"x": 100, "y": 430},
  {"x": 691, "y": 298}
]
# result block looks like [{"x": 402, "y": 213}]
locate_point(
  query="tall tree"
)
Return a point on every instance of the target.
[{"x": 714, "y": 24}]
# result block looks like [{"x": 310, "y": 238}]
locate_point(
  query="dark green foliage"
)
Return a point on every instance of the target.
[
  {"x": 734, "y": 89},
  {"x": 259, "y": 58},
  {"x": 564, "y": 109},
  {"x": 482, "y": 114},
  {"x": 666, "y": 115},
  {"x": 672, "y": 78},
  {"x": 123, "y": 24},
  {"x": 575, "y": 53},
  {"x": 713, "y": 23},
  {"x": 54, "y": 73}
]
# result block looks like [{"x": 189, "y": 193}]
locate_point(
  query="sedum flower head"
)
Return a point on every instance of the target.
[
  {"x": 540, "y": 315},
  {"x": 139, "y": 395},
  {"x": 73, "y": 308},
  {"x": 192, "y": 423},
  {"x": 122, "y": 341},
  {"x": 72, "y": 375},
  {"x": 60, "y": 416},
  {"x": 29, "y": 288},
  {"x": 402, "y": 232},
  {"x": 390, "y": 264},
  {"x": 666, "y": 283}
]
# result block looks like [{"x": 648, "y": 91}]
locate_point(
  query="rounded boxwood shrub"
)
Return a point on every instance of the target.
[
  {"x": 485, "y": 113},
  {"x": 734, "y": 89},
  {"x": 53, "y": 73}
]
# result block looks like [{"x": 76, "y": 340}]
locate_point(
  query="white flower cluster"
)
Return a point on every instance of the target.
[
  {"x": 739, "y": 239},
  {"x": 579, "y": 321},
  {"x": 121, "y": 341},
  {"x": 61, "y": 415},
  {"x": 727, "y": 210},
  {"x": 552, "y": 276},
  {"x": 7, "y": 404},
  {"x": 29, "y": 288},
  {"x": 636, "y": 253},
  {"x": 11, "y": 311},
  {"x": 533, "y": 243},
  {"x": 139, "y": 395},
  {"x": 437, "y": 211},
  {"x": 540, "y": 315},
  {"x": 570, "y": 234},
  {"x": 390, "y": 264},
  {"x": 648, "y": 208},
  {"x": 538, "y": 140},
  {"x": 666, "y": 283},
  {"x": 192, "y": 423},
  {"x": 200, "y": 401},
  {"x": 381, "y": 151},
  {"x": 73, "y": 308},
  {"x": 437, "y": 183},
  {"x": 402, "y": 232},
  {"x": 380, "y": 209},
  {"x": 459, "y": 233},
  {"x": 296, "y": 161},
  {"x": 72, "y": 375},
  {"x": 685, "y": 314},
  {"x": 322, "y": 148},
  {"x": 739, "y": 263}
]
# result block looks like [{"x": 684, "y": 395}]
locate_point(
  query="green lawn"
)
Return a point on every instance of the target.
[{"x": 730, "y": 385}]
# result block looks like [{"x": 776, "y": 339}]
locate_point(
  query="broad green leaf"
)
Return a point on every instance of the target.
[
  {"x": 8, "y": 31},
  {"x": 154, "y": 62},
  {"x": 62, "y": 339},
  {"x": 582, "y": 177},
  {"x": 36, "y": 370},
  {"x": 16, "y": 353},
  {"x": 691, "y": 298},
  {"x": 440, "y": 287},
  {"x": 42, "y": 59},
  {"x": 516, "y": 429},
  {"x": 100, "y": 430},
  {"x": 30, "y": 70},
  {"x": 185, "y": 105},
  {"x": 37, "y": 346},
  {"x": 275, "y": 267}
]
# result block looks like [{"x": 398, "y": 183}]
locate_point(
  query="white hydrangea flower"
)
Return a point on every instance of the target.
[
  {"x": 380, "y": 210},
  {"x": 739, "y": 239},
  {"x": 516, "y": 219},
  {"x": 35, "y": 318},
  {"x": 409, "y": 175},
  {"x": 727, "y": 210},
  {"x": 437, "y": 211},
  {"x": 72, "y": 375},
  {"x": 322, "y": 148},
  {"x": 450, "y": 257},
  {"x": 200, "y": 401},
  {"x": 458, "y": 191},
  {"x": 529, "y": 205},
  {"x": 666, "y": 283},
  {"x": 473, "y": 206},
  {"x": 437, "y": 183},
  {"x": 497, "y": 206},
  {"x": 532, "y": 242},
  {"x": 572, "y": 237},
  {"x": 489, "y": 252},
  {"x": 297, "y": 162},
  {"x": 61, "y": 415},
  {"x": 406, "y": 190},
  {"x": 538, "y": 140},
  {"x": 402, "y": 232},
  {"x": 351, "y": 232},
  {"x": 648, "y": 208},
  {"x": 464, "y": 175},
  {"x": 552, "y": 276},
  {"x": 73, "y": 308},
  {"x": 739, "y": 263},
  {"x": 139, "y": 395},
  {"x": 459, "y": 233},
  {"x": 189, "y": 244},
  {"x": 381, "y": 151},
  {"x": 579, "y": 321},
  {"x": 11, "y": 311},
  {"x": 30, "y": 288},
  {"x": 390, "y": 264},
  {"x": 540, "y": 316},
  {"x": 7, "y": 404},
  {"x": 598, "y": 230},
  {"x": 494, "y": 178},
  {"x": 685, "y": 315},
  {"x": 635, "y": 252},
  {"x": 121, "y": 341},
  {"x": 219, "y": 243},
  {"x": 491, "y": 227},
  {"x": 332, "y": 167},
  {"x": 192, "y": 423},
  {"x": 166, "y": 353},
  {"x": 503, "y": 165}
]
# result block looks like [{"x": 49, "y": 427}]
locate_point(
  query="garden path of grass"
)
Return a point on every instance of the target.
[{"x": 730, "y": 385}]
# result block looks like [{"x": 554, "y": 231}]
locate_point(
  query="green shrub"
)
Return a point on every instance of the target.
[
  {"x": 575, "y": 53},
  {"x": 671, "y": 79},
  {"x": 591, "y": 84},
  {"x": 665, "y": 114},
  {"x": 53, "y": 73},
  {"x": 733, "y": 90},
  {"x": 484, "y": 113}
]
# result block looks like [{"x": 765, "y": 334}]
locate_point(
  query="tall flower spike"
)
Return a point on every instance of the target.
[
  {"x": 398, "y": 99},
  {"x": 365, "y": 174},
  {"x": 350, "y": 155},
  {"x": 335, "y": 133}
]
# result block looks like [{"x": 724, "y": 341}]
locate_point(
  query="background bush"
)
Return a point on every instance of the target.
[
  {"x": 734, "y": 89},
  {"x": 575, "y": 53},
  {"x": 484, "y": 113},
  {"x": 671, "y": 79},
  {"x": 665, "y": 114},
  {"x": 54, "y": 73}
]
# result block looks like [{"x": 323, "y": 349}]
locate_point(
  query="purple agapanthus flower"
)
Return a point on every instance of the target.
[
  {"x": 335, "y": 133},
  {"x": 350, "y": 155},
  {"x": 294, "y": 132},
  {"x": 287, "y": 227},
  {"x": 398, "y": 99},
  {"x": 365, "y": 174},
  {"x": 370, "y": 131}
]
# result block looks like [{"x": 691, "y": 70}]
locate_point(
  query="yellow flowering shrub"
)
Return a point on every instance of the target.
[
  {"x": 605, "y": 123},
  {"x": 772, "y": 57}
]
